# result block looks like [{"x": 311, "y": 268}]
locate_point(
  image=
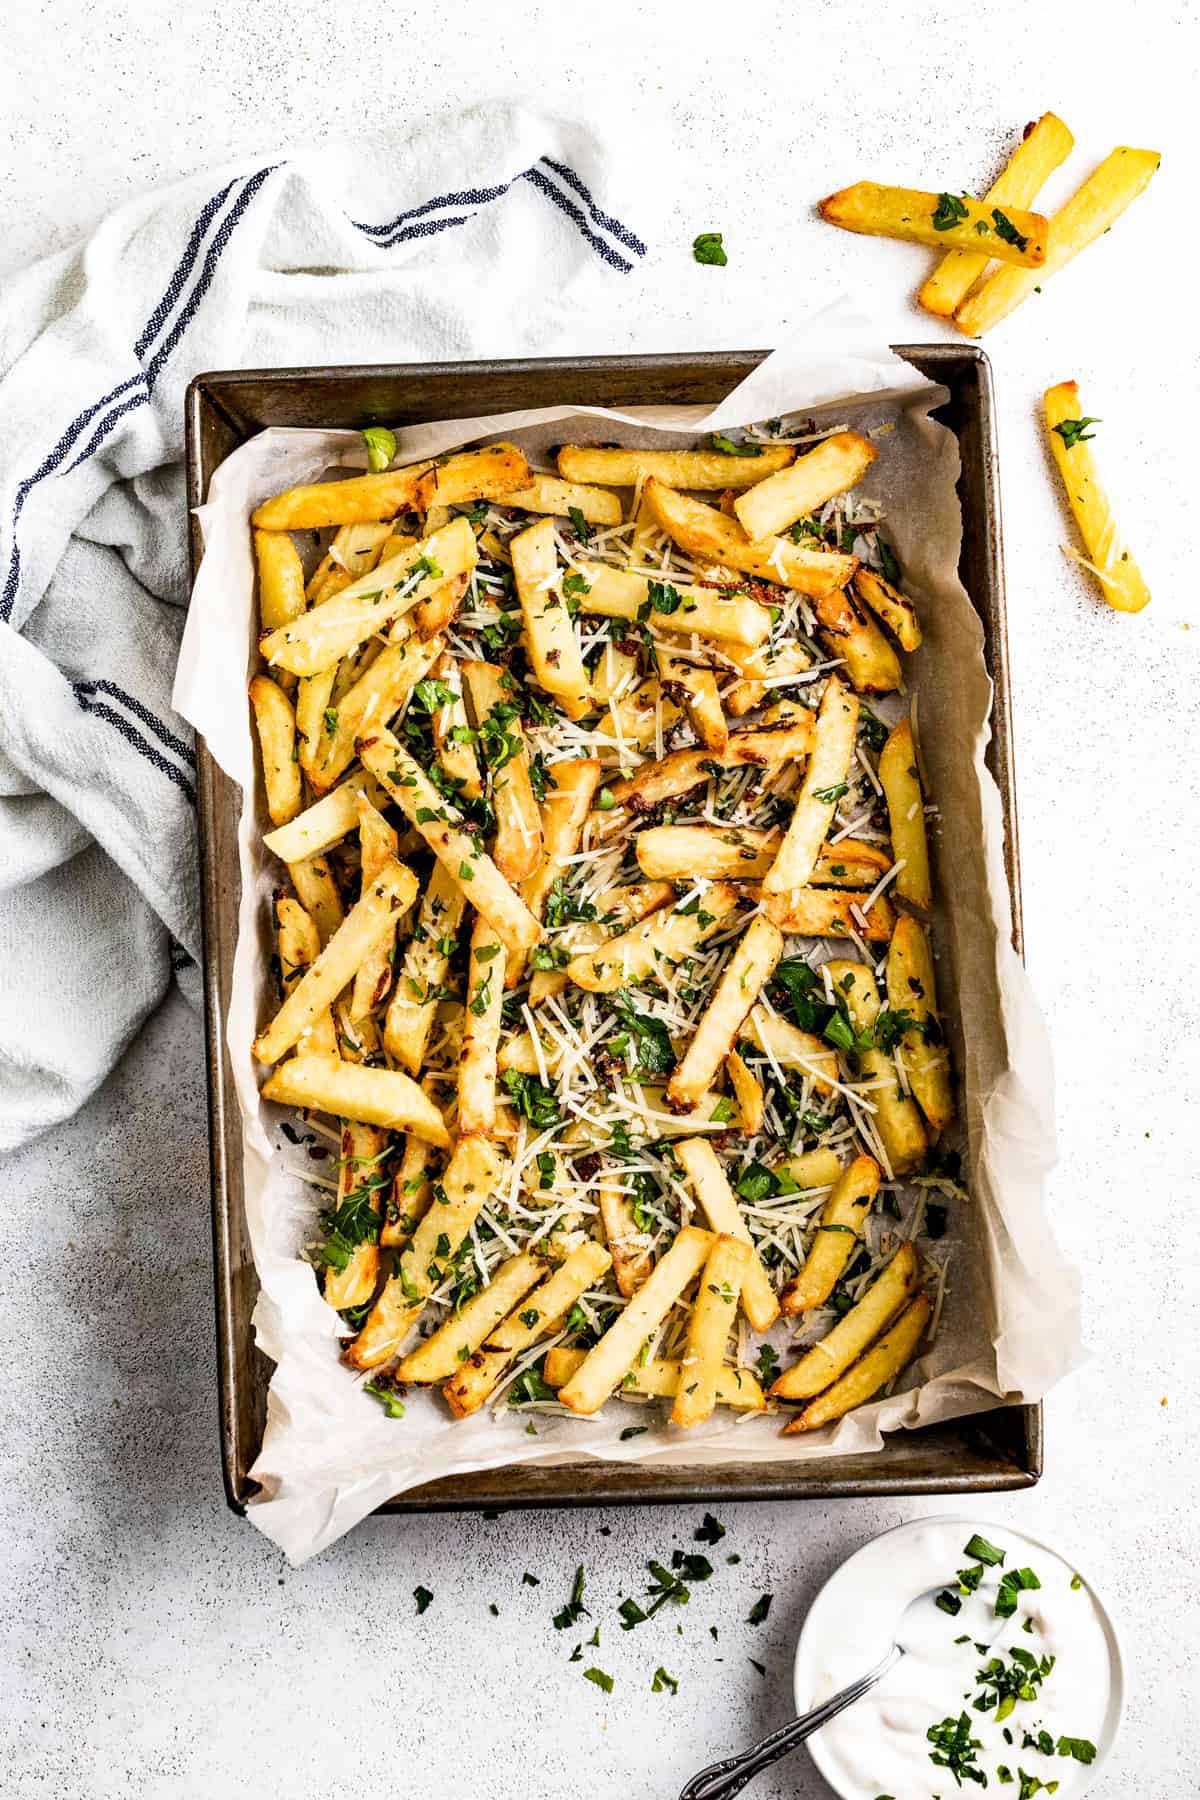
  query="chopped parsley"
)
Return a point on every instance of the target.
[
  {"x": 949, "y": 212},
  {"x": 422, "y": 1596},
  {"x": 708, "y": 248},
  {"x": 954, "y": 1749},
  {"x": 574, "y": 1610},
  {"x": 1007, "y": 231},
  {"x": 758, "y": 1612},
  {"x": 1074, "y": 431},
  {"x": 600, "y": 1678},
  {"x": 662, "y": 1682},
  {"x": 387, "y": 1397},
  {"x": 381, "y": 447},
  {"x": 728, "y": 447}
]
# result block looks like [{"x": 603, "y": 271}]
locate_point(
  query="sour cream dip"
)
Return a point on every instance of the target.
[{"x": 1034, "y": 1670}]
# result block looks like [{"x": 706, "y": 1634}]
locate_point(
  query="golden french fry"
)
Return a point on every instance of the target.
[
  {"x": 374, "y": 700},
  {"x": 824, "y": 784},
  {"x": 481, "y": 1033},
  {"x": 564, "y": 814},
  {"x": 698, "y": 470},
  {"x": 608, "y": 1361},
  {"x": 299, "y": 946},
  {"x": 276, "y": 725},
  {"x": 848, "y": 631},
  {"x": 318, "y": 892},
  {"x": 748, "y": 1092},
  {"x": 354, "y": 550},
  {"x": 785, "y": 1044},
  {"x": 831, "y": 912},
  {"x": 813, "y": 1169},
  {"x": 361, "y": 497},
  {"x": 413, "y": 1005},
  {"x": 495, "y": 709},
  {"x": 377, "y": 848},
  {"x": 837, "y": 1236},
  {"x": 889, "y": 604},
  {"x": 704, "y": 532},
  {"x": 836, "y": 464},
  {"x": 455, "y": 752},
  {"x": 742, "y": 979},
  {"x": 718, "y": 1203},
  {"x": 435, "y": 614},
  {"x": 897, "y": 1118},
  {"x": 659, "y": 1377},
  {"x": 487, "y": 474},
  {"x": 881, "y": 1364},
  {"x": 833, "y": 1355},
  {"x": 280, "y": 579},
  {"x": 437, "y": 1358},
  {"x": 352, "y": 1091},
  {"x": 362, "y": 1147},
  {"x": 711, "y": 852},
  {"x": 901, "y": 782},
  {"x": 684, "y": 769},
  {"x": 696, "y": 689},
  {"x": 1044, "y": 146},
  {"x": 641, "y": 718},
  {"x": 912, "y": 989},
  {"x": 632, "y": 1258},
  {"x": 551, "y": 641},
  {"x": 944, "y": 221},
  {"x": 1088, "y": 214},
  {"x": 622, "y": 906},
  {"x": 726, "y": 614},
  {"x": 714, "y": 1312},
  {"x": 661, "y": 938},
  {"x": 547, "y": 494},
  {"x": 412, "y": 1186},
  {"x": 1108, "y": 556}
]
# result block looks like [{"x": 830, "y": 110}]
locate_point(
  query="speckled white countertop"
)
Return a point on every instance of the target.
[{"x": 153, "y": 1643}]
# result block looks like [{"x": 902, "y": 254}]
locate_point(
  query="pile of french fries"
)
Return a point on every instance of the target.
[{"x": 603, "y": 956}]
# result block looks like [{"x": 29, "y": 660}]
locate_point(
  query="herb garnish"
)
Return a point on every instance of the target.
[
  {"x": 574, "y": 1609},
  {"x": 1073, "y": 431},
  {"x": 1007, "y": 231},
  {"x": 422, "y": 1596},
  {"x": 954, "y": 1749},
  {"x": 381, "y": 447},
  {"x": 949, "y": 212},
  {"x": 708, "y": 248}
]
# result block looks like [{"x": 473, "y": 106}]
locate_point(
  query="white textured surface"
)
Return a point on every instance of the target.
[{"x": 153, "y": 1643}]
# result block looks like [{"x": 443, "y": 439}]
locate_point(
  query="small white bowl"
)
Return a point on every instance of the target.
[{"x": 829, "y": 1596}]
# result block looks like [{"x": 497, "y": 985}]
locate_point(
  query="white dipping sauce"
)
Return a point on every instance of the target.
[{"x": 879, "y": 1746}]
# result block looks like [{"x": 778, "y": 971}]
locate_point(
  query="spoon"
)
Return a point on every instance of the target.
[{"x": 721, "y": 1780}]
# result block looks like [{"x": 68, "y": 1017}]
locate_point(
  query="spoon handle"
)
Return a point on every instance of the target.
[{"x": 723, "y": 1779}]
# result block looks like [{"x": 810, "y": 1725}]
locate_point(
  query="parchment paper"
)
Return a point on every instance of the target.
[{"x": 1010, "y": 1326}]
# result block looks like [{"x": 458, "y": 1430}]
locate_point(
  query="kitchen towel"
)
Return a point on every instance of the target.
[{"x": 479, "y": 235}]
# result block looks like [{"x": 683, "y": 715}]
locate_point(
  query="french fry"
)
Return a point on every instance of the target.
[
  {"x": 551, "y": 641},
  {"x": 543, "y": 1312},
  {"x": 374, "y": 700},
  {"x": 280, "y": 579},
  {"x": 413, "y": 1005},
  {"x": 368, "y": 921},
  {"x": 361, "y": 497},
  {"x": 837, "y": 1236},
  {"x": 563, "y": 814},
  {"x": 944, "y": 221},
  {"x": 318, "y": 893},
  {"x": 604, "y": 1365},
  {"x": 709, "y": 612},
  {"x": 813, "y": 1169},
  {"x": 435, "y": 614},
  {"x": 437, "y": 1358},
  {"x": 742, "y": 979},
  {"x": 712, "y": 1320},
  {"x": 713, "y": 852},
  {"x": 1087, "y": 215},
  {"x": 763, "y": 670},
  {"x": 640, "y": 718},
  {"x": 362, "y": 1147},
  {"x": 881, "y": 1364},
  {"x": 474, "y": 1171},
  {"x": 487, "y": 474},
  {"x": 824, "y": 784},
  {"x": 337, "y": 626},
  {"x": 748, "y": 1091},
  {"x": 1041, "y": 150},
  {"x": 481, "y": 1033},
  {"x": 354, "y": 550},
  {"x": 276, "y": 725},
  {"x": 718, "y": 1203},
  {"x": 1108, "y": 556},
  {"x": 836, "y": 464},
  {"x": 897, "y": 1118},
  {"x": 889, "y": 604},
  {"x": 377, "y": 848},
  {"x": 547, "y": 494},
  {"x": 632, "y": 1258},
  {"x": 299, "y": 946},
  {"x": 615, "y": 674},
  {"x": 705, "y": 533},
  {"x": 659, "y": 1377},
  {"x": 831, "y": 912},
  {"x": 440, "y": 825},
  {"x": 683, "y": 769},
  {"x": 848, "y": 631},
  {"x": 697, "y": 689},
  {"x": 912, "y": 989},
  {"x": 495, "y": 710},
  {"x": 618, "y": 908},
  {"x": 455, "y": 753},
  {"x": 412, "y": 1185},
  {"x": 900, "y": 779},
  {"x": 662, "y": 937},
  {"x": 313, "y": 696},
  {"x": 352, "y": 1091},
  {"x": 820, "y": 1366},
  {"x": 784, "y": 1043},
  {"x": 711, "y": 470}
]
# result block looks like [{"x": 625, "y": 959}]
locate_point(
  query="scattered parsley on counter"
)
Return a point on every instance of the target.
[
  {"x": 708, "y": 248},
  {"x": 422, "y": 1596},
  {"x": 600, "y": 1678},
  {"x": 632, "y": 1431},
  {"x": 709, "y": 1531},
  {"x": 574, "y": 1609},
  {"x": 758, "y": 1612},
  {"x": 663, "y": 1682}
]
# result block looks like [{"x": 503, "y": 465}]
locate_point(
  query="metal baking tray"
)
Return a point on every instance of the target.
[{"x": 997, "y": 1451}]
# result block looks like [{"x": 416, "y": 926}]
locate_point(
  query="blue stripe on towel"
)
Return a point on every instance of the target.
[{"x": 134, "y": 737}]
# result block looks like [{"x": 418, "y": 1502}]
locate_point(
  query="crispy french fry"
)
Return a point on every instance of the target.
[
  {"x": 848, "y": 631},
  {"x": 684, "y": 769},
  {"x": 897, "y": 1118},
  {"x": 912, "y": 989},
  {"x": 881, "y": 1364},
  {"x": 604, "y": 1365},
  {"x": 374, "y": 700},
  {"x": 659, "y": 1377},
  {"x": 280, "y": 579},
  {"x": 1044, "y": 146},
  {"x": 833, "y": 1355},
  {"x": 455, "y": 752},
  {"x": 710, "y": 612},
  {"x": 350, "y": 1091},
  {"x": 318, "y": 893},
  {"x": 361, "y": 497},
  {"x": 901, "y": 782},
  {"x": 783, "y": 1043},
  {"x": 705, "y": 533},
  {"x": 711, "y": 470},
  {"x": 377, "y": 848},
  {"x": 813, "y": 1169},
  {"x": 1108, "y": 556},
  {"x": 641, "y": 718},
  {"x": 564, "y": 814},
  {"x": 487, "y": 474},
  {"x": 495, "y": 710},
  {"x": 439, "y": 1356},
  {"x": 333, "y": 629},
  {"x": 837, "y": 1236},
  {"x": 276, "y": 725},
  {"x": 766, "y": 671},
  {"x": 742, "y": 979},
  {"x": 714, "y": 852},
  {"x": 615, "y": 674},
  {"x": 412, "y": 1186},
  {"x": 632, "y": 1258},
  {"x": 944, "y": 221},
  {"x": 618, "y": 908},
  {"x": 313, "y": 696},
  {"x": 1090, "y": 211},
  {"x": 543, "y": 1312},
  {"x": 393, "y": 889},
  {"x": 748, "y": 1092},
  {"x": 362, "y": 1148},
  {"x": 836, "y": 464},
  {"x": 435, "y": 614},
  {"x": 718, "y": 1203},
  {"x": 551, "y": 641},
  {"x": 714, "y": 1311},
  {"x": 413, "y": 1005},
  {"x": 481, "y": 1033},
  {"x": 889, "y": 604},
  {"x": 299, "y": 946},
  {"x": 440, "y": 825},
  {"x": 824, "y": 784},
  {"x": 547, "y": 494},
  {"x": 831, "y": 912},
  {"x": 696, "y": 689},
  {"x": 662, "y": 937},
  {"x": 354, "y": 550}
]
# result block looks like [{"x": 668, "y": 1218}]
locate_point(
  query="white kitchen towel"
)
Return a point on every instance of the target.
[{"x": 479, "y": 235}]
